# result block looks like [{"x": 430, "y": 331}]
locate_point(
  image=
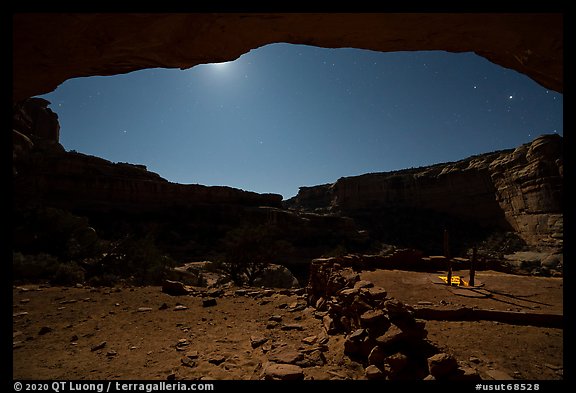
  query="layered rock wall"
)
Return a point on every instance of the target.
[
  {"x": 45, "y": 174},
  {"x": 518, "y": 190}
]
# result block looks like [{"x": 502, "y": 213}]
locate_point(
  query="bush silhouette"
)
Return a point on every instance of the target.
[{"x": 248, "y": 250}]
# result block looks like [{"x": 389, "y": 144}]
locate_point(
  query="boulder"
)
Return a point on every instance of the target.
[
  {"x": 174, "y": 288},
  {"x": 208, "y": 302},
  {"x": 285, "y": 355},
  {"x": 373, "y": 372},
  {"x": 276, "y": 276},
  {"x": 376, "y": 356},
  {"x": 374, "y": 293},
  {"x": 375, "y": 321},
  {"x": 441, "y": 365},
  {"x": 283, "y": 372},
  {"x": 397, "y": 362}
]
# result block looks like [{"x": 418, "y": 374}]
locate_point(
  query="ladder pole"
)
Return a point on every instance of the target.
[{"x": 447, "y": 256}]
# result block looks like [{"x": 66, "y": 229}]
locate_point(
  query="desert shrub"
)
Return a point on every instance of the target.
[
  {"x": 248, "y": 250},
  {"x": 54, "y": 231},
  {"x": 68, "y": 274},
  {"x": 137, "y": 258},
  {"x": 34, "y": 267},
  {"x": 104, "y": 280},
  {"x": 45, "y": 267}
]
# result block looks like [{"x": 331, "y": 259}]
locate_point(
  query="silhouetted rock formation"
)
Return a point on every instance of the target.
[
  {"x": 32, "y": 117},
  {"x": 47, "y": 175},
  {"x": 51, "y": 48},
  {"x": 519, "y": 189},
  {"x": 189, "y": 221}
]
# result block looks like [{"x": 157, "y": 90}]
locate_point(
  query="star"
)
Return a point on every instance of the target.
[{"x": 510, "y": 97}]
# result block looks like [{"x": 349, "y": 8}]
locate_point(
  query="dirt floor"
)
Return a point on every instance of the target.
[{"x": 143, "y": 333}]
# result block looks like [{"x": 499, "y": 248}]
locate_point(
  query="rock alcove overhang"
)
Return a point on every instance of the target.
[{"x": 49, "y": 49}]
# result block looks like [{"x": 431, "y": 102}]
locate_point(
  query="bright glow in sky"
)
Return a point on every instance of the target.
[{"x": 284, "y": 116}]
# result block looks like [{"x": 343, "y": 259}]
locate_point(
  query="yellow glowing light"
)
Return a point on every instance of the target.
[{"x": 456, "y": 280}]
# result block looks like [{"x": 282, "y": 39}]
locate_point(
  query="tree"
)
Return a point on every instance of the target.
[{"x": 248, "y": 250}]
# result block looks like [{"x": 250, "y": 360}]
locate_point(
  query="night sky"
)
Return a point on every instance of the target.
[{"x": 284, "y": 116}]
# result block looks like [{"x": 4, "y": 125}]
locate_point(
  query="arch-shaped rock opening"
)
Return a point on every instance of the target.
[{"x": 51, "y": 48}]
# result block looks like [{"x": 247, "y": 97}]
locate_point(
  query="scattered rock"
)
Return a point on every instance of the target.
[
  {"x": 111, "y": 353},
  {"x": 98, "y": 346},
  {"x": 441, "y": 365},
  {"x": 183, "y": 342},
  {"x": 192, "y": 354},
  {"x": 358, "y": 344},
  {"x": 215, "y": 292},
  {"x": 144, "y": 309},
  {"x": 553, "y": 367},
  {"x": 256, "y": 341},
  {"x": 498, "y": 375},
  {"x": 285, "y": 355},
  {"x": 296, "y": 306},
  {"x": 397, "y": 362},
  {"x": 375, "y": 320},
  {"x": 24, "y": 301},
  {"x": 375, "y": 293},
  {"x": 466, "y": 374},
  {"x": 328, "y": 324},
  {"x": 17, "y": 344},
  {"x": 20, "y": 314},
  {"x": 187, "y": 361},
  {"x": 74, "y": 338},
  {"x": 376, "y": 356},
  {"x": 373, "y": 372},
  {"x": 313, "y": 359},
  {"x": 174, "y": 288},
  {"x": 347, "y": 294},
  {"x": 164, "y": 306},
  {"x": 208, "y": 302},
  {"x": 241, "y": 292},
  {"x": 44, "y": 330},
  {"x": 180, "y": 307},
  {"x": 283, "y": 372},
  {"x": 390, "y": 337},
  {"x": 216, "y": 359},
  {"x": 275, "y": 318},
  {"x": 310, "y": 340},
  {"x": 272, "y": 325},
  {"x": 320, "y": 303},
  {"x": 292, "y": 326},
  {"x": 363, "y": 284}
]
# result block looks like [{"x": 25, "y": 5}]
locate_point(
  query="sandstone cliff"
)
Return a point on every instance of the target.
[
  {"x": 44, "y": 174},
  {"x": 518, "y": 189},
  {"x": 187, "y": 220}
]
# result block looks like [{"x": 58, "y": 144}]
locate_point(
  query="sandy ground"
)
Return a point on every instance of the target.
[{"x": 147, "y": 334}]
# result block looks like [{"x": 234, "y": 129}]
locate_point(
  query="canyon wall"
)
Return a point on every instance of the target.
[
  {"x": 518, "y": 189},
  {"x": 188, "y": 220},
  {"x": 45, "y": 174}
]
